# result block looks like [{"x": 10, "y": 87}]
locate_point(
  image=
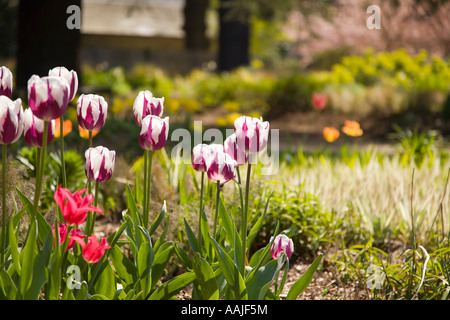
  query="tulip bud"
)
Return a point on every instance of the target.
[
  {"x": 93, "y": 251},
  {"x": 199, "y": 155},
  {"x": 282, "y": 243},
  {"x": 48, "y": 97},
  {"x": 11, "y": 120},
  {"x": 70, "y": 76},
  {"x": 92, "y": 110},
  {"x": 99, "y": 164},
  {"x": 252, "y": 133},
  {"x": 319, "y": 101},
  {"x": 220, "y": 166},
  {"x": 154, "y": 132},
  {"x": 6, "y": 82},
  {"x": 236, "y": 152},
  {"x": 145, "y": 104},
  {"x": 33, "y": 129}
]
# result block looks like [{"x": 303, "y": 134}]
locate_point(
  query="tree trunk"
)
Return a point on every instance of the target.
[
  {"x": 43, "y": 39},
  {"x": 234, "y": 38},
  {"x": 195, "y": 25}
]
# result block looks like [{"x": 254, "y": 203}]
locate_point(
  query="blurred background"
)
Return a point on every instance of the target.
[{"x": 214, "y": 60}]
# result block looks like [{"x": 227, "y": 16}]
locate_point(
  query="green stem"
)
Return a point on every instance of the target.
[
  {"x": 144, "y": 204},
  {"x": 40, "y": 176},
  {"x": 149, "y": 181},
  {"x": 63, "y": 164},
  {"x": 245, "y": 218},
  {"x": 89, "y": 219},
  {"x": 200, "y": 213},
  {"x": 217, "y": 208},
  {"x": 3, "y": 243}
]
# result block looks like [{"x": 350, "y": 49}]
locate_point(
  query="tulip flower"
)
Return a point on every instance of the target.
[
  {"x": 154, "y": 132},
  {"x": 69, "y": 76},
  {"x": 319, "y": 101},
  {"x": 251, "y": 133},
  {"x": 6, "y": 82},
  {"x": 199, "y": 155},
  {"x": 33, "y": 129},
  {"x": 99, "y": 164},
  {"x": 330, "y": 134},
  {"x": 74, "y": 207},
  {"x": 145, "y": 104},
  {"x": 282, "y": 243},
  {"x": 93, "y": 251},
  {"x": 11, "y": 120},
  {"x": 74, "y": 235},
  {"x": 231, "y": 147},
  {"x": 48, "y": 97},
  {"x": 352, "y": 128},
  {"x": 221, "y": 167},
  {"x": 92, "y": 110}
]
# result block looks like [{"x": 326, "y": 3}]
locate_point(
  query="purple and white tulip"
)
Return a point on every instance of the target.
[
  {"x": 92, "y": 110},
  {"x": 199, "y": 155},
  {"x": 48, "y": 97},
  {"x": 282, "y": 243},
  {"x": 220, "y": 167},
  {"x": 145, "y": 104},
  {"x": 251, "y": 133},
  {"x": 236, "y": 152},
  {"x": 154, "y": 132},
  {"x": 70, "y": 76},
  {"x": 33, "y": 129},
  {"x": 11, "y": 120},
  {"x": 99, "y": 164},
  {"x": 6, "y": 82}
]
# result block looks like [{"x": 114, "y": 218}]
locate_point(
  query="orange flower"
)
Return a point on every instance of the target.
[
  {"x": 85, "y": 133},
  {"x": 330, "y": 134},
  {"x": 352, "y": 128},
  {"x": 67, "y": 127}
]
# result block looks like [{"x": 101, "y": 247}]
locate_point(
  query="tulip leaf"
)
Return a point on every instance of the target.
[
  {"x": 173, "y": 286},
  {"x": 8, "y": 289},
  {"x": 158, "y": 219},
  {"x": 160, "y": 262},
  {"x": 206, "y": 279},
  {"x": 257, "y": 226},
  {"x": 302, "y": 283},
  {"x": 183, "y": 256},
  {"x": 27, "y": 257},
  {"x": 106, "y": 283},
  {"x": 231, "y": 273},
  {"x": 161, "y": 238},
  {"x": 191, "y": 237},
  {"x": 125, "y": 269},
  {"x": 14, "y": 248},
  {"x": 259, "y": 284}
]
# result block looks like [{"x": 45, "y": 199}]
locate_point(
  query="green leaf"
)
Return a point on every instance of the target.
[
  {"x": 231, "y": 273},
  {"x": 173, "y": 286},
  {"x": 8, "y": 289},
  {"x": 257, "y": 226},
  {"x": 158, "y": 219},
  {"x": 264, "y": 277},
  {"x": 183, "y": 256},
  {"x": 125, "y": 269},
  {"x": 145, "y": 263},
  {"x": 106, "y": 283},
  {"x": 205, "y": 278},
  {"x": 191, "y": 237},
  {"x": 160, "y": 262},
  {"x": 14, "y": 248},
  {"x": 302, "y": 283},
  {"x": 27, "y": 257}
]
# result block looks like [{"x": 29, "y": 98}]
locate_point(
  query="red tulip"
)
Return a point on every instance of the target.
[
  {"x": 74, "y": 236},
  {"x": 319, "y": 101},
  {"x": 93, "y": 251},
  {"x": 75, "y": 209}
]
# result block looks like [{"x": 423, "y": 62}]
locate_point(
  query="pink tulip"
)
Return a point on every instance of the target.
[
  {"x": 282, "y": 243},
  {"x": 220, "y": 166},
  {"x": 75, "y": 209},
  {"x": 93, "y": 251},
  {"x": 154, "y": 132},
  {"x": 199, "y": 155},
  {"x": 145, "y": 104},
  {"x": 236, "y": 152},
  {"x": 74, "y": 235},
  {"x": 319, "y": 101},
  {"x": 70, "y": 76},
  {"x": 92, "y": 110},
  {"x": 251, "y": 133},
  {"x": 6, "y": 82},
  {"x": 33, "y": 129},
  {"x": 99, "y": 164},
  {"x": 48, "y": 97},
  {"x": 11, "y": 120}
]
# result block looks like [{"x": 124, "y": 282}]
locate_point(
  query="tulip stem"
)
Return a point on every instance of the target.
[
  {"x": 217, "y": 207},
  {"x": 40, "y": 176},
  {"x": 200, "y": 212},
  {"x": 63, "y": 164},
  {"x": 144, "y": 204},
  {"x": 89, "y": 224},
  {"x": 2, "y": 253},
  {"x": 149, "y": 181},
  {"x": 245, "y": 218}
]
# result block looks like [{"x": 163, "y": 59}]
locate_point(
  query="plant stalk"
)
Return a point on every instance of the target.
[
  {"x": 144, "y": 204},
  {"x": 3, "y": 242},
  {"x": 149, "y": 181},
  {"x": 40, "y": 176},
  {"x": 217, "y": 208},
  {"x": 200, "y": 213},
  {"x": 63, "y": 164},
  {"x": 245, "y": 218}
]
